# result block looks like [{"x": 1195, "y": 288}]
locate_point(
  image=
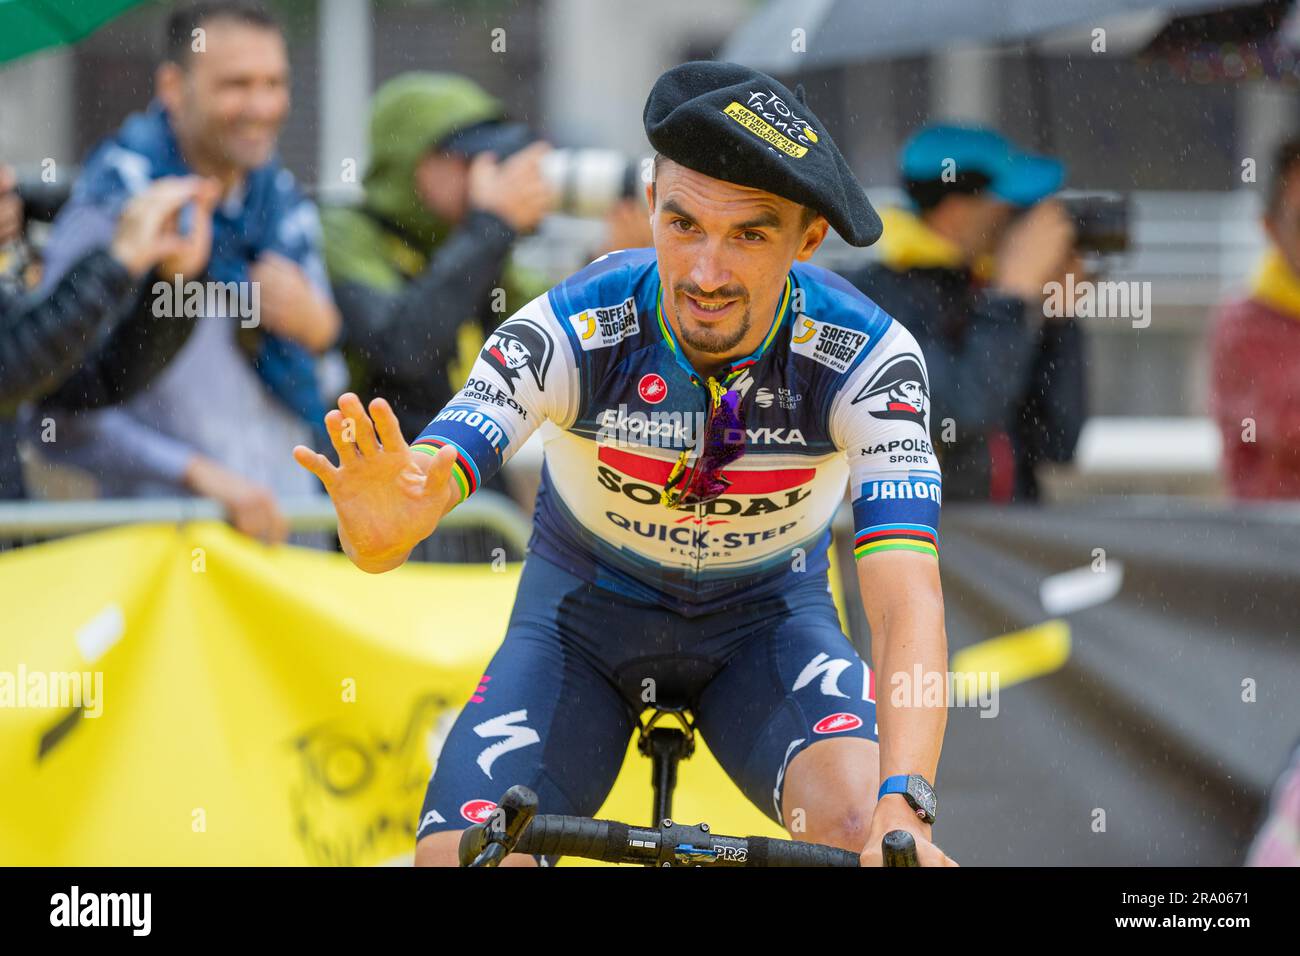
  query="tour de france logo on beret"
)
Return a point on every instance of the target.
[
  {"x": 897, "y": 391},
  {"x": 768, "y": 117}
]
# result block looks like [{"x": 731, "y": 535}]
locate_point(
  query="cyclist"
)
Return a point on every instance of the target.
[{"x": 702, "y": 403}]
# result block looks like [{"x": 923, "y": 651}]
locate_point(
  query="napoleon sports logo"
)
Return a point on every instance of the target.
[
  {"x": 898, "y": 391},
  {"x": 516, "y": 346}
]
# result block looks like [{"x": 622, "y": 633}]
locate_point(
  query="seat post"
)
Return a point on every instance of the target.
[{"x": 667, "y": 746}]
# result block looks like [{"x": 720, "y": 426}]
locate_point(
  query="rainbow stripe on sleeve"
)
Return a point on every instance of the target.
[
  {"x": 896, "y": 537},
  {"x": 462, "y": 469}
]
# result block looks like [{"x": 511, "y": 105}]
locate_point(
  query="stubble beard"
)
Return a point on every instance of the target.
[{"x": 710, "y": 340}]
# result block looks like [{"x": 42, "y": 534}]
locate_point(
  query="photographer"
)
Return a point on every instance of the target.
[
  {"x": 91, "y": 340},
  {"x": 415, "y": 265},
  {"x": 965, "y": 274},
  {"x": 215, "y": 422}
]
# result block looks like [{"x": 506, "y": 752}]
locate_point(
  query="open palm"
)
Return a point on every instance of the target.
[{"x": 388, "y": 498}]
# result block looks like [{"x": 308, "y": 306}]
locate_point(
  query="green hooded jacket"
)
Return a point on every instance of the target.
[{"x": 375, "y": 252}]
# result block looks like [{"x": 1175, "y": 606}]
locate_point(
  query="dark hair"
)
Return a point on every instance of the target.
[
  {"x": 928, "y": 193},
  {"x": 1285, "y": 158},
  {"x": 805, "y": 220},
  {"x": 185, "y": 20}
]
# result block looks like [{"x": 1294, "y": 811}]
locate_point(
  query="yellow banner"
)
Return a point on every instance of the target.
[{"x": 180, "y": 695}]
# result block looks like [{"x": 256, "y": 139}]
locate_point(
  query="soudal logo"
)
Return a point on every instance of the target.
[
  {"x": 641, "y": 479},
  {"x": 652, "y": 388},
  {"x": 477, "y": 811},
  {"x": 837, "y": 724}
]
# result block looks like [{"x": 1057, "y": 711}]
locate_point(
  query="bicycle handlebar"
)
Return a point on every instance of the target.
[{"x": 671, "y": 844}]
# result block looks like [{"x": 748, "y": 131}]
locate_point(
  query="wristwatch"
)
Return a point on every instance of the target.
[{"x": 916, "y": 790}]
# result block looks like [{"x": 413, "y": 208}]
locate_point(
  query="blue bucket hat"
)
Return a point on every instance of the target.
[{"x": 1019, "y": 177}]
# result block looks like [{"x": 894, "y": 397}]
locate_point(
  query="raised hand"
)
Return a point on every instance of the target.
[
  {"x": 147, "y": 230},
  {"x": 388, "y": 498}
]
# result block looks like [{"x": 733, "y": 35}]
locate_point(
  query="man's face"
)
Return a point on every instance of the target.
[
  {"x": 229, "y": 101},
  {"x": 1283, "y": 223},
  {"x": 910, "y": 392},
  {"x": 515, "y": 353},
  {"x": 442, "y": 183},
  {"x": 982, "y": 221},
  {"x": 720, "y": 244}
]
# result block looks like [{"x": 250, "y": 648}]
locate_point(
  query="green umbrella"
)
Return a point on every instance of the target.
[{"x": 30, "y": 25}]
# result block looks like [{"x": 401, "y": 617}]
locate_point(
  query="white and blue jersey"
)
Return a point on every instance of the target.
[
  {"x": 722, "y": 607},
  {"x": 836, "y": 392}
]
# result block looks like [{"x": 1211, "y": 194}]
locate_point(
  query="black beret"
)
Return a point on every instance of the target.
[{"x": 733, "y": 123}]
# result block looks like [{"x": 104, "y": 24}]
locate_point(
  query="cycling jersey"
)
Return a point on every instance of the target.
[{"x": 836, "y": 391}]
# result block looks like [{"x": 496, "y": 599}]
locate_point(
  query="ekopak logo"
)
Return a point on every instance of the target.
[
  {"x": 477, "y": 811},
  {"x": 652, "y": 388},
  {"x": 837, "y": 723}
]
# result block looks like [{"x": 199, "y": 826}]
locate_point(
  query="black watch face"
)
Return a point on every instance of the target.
[{"x": 923, "y": 793}]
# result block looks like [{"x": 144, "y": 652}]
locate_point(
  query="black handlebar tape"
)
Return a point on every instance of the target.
[
  {"x": 553, "y": 835},
  {"x": 769, "y": 851},
  {"x": 899, "y": 849}
]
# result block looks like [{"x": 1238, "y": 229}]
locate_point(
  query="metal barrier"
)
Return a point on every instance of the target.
[{"x": 487, "y": 515}]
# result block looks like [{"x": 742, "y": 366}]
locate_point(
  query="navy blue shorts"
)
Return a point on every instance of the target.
[{"x": 560, "y": 699}]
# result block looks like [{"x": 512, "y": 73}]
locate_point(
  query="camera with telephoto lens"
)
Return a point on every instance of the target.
[
  {"x": 590, "y": 182},
  {"x": 1101, "y": 221}
]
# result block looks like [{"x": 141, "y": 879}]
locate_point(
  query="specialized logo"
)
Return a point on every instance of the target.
[
  {"x": 514, "y": 736},
  {"x": 768, "y": 117},
  {"x": 832, "y": 345},
  {"x": 652, "y": 388},
  {"x": 518, "y": 345},
  {"x": 477, "y": 811},
  {"x": 898, "y": 391},
  {"x": 829, "y": 670},
  {"x": 742, "y": 383},
  {"x": 604, "y": 326},
  {"x": 837, "y": 724}
]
